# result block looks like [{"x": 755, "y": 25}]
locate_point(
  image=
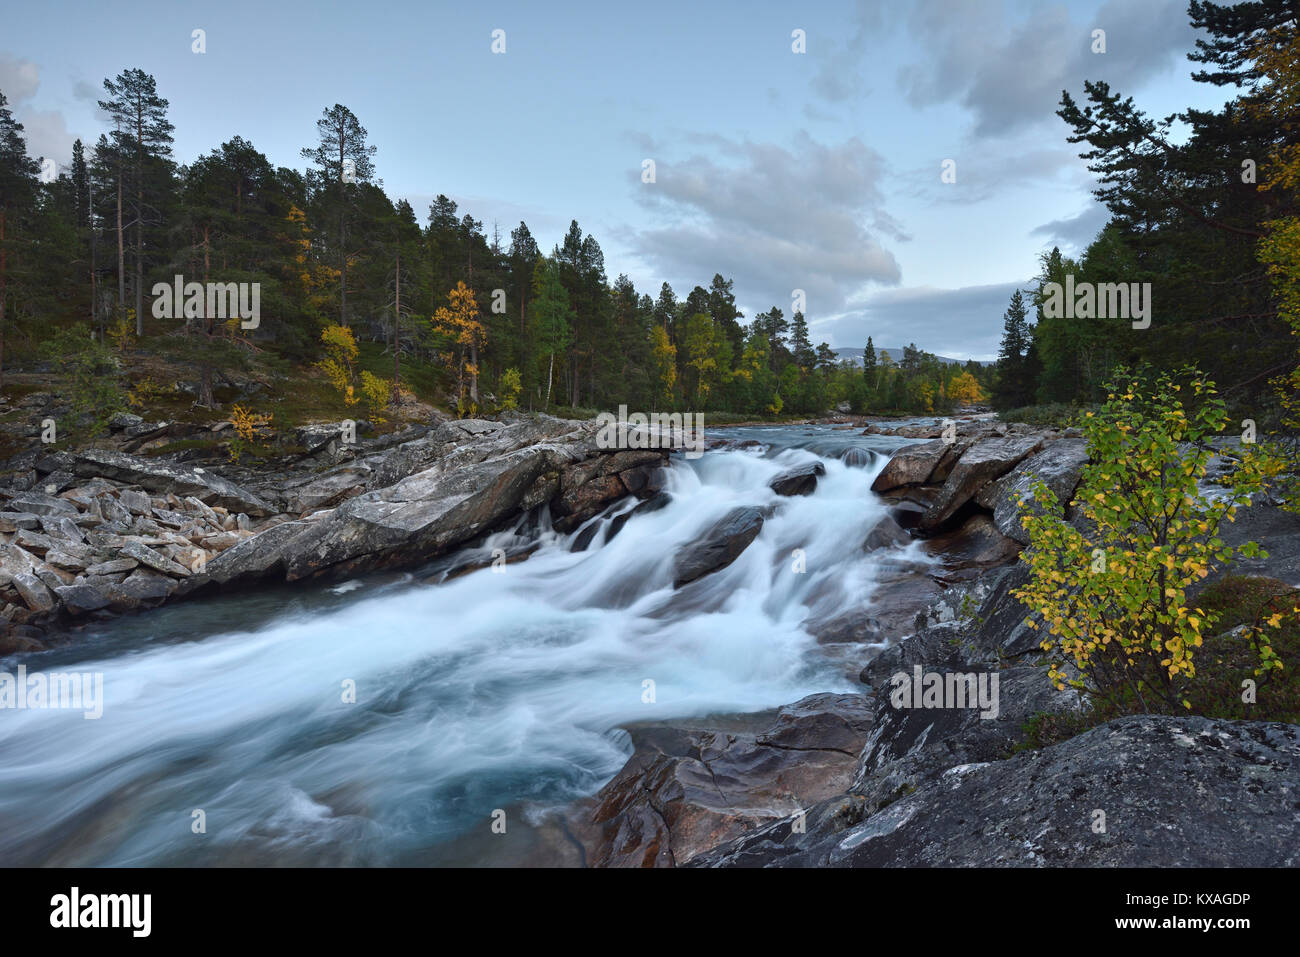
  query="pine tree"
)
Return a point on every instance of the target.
[
  {"x": 342, "y": 162},
  {"x": 17, "y": 193},
  {"x": 869, "y": 362},
  {"x": 142, "y": 133}
]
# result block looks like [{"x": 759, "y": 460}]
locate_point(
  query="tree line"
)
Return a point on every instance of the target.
[{"x": 340, "y": 264}]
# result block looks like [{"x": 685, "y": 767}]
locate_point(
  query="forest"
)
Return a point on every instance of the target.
[
  {"x": 356, "y": 293},
  {"x": 364, "y": 304},
  {"x": 1203, "y": 207}
]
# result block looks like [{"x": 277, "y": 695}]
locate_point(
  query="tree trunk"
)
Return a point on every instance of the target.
[
  {"x": 121, "y": 250},
  {"x": 4, "y": 279},
  {"x": 397, "y": 328},
  {"x": 473, "y": 376},
  {"x": 550, "y": 371},
  {"x": 96, "y": 317},
  {"x": 139, "y": 223},
  {"x": 205, "y": 368}
]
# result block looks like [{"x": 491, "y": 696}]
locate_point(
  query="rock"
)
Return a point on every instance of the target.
[
  {"x": 886, "y": 533},
  {"x": 851, "y": 627},
  {"x": 1058, "y": 466},
  {"x": 1279, "y": 534},
  {"x": 220, "y": 541},
  {"x": 1172, "y": 788},
  {"x": 112, "y": 567},
  {"x": 136, "y": 501},
  {"x": 643, "y": 481},
  {"x": 123, "y": 420},
  {"x": 62, "y": 527},
  {"x": 146, "y": 556},
  {"x": 911, "y": 465},
  {"x": 975, "y": 546},
  {"x": 685, "y": 789},
  {"x": 156, "y": 476},
  {"x": 719, "y": 545},
  {"x": 801, "y": 480},
  {"x": 33, "y": 541},
  {"x": 69, "y": 557},
  {"x": 141, "y": 589},
  {"x": 1001, "y": 628},
  {"x": 421, "y": 516},
  {"x": 980, "y": 464},
  {"x": 326, "y": 491},
  {"x": 81, "y": 599},
  {"x": 12, "y": 521},
  {"x": 34, "y": 592},
  {"x": 38, "y": 503}
]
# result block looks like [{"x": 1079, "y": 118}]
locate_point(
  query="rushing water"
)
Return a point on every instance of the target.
[{"x": 485, "y": 690}]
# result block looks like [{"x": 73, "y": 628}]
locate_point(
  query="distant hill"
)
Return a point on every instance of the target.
[{"x": 855, "y": 356}]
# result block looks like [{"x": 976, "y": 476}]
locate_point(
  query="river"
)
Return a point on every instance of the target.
[{"x": 495, "y": 688}]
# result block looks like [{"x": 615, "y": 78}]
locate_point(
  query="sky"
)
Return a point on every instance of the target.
[{"x": 817, "y": 171}]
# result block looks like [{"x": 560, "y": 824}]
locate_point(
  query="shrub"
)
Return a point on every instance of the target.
[{"x": 1112, "y": 584}]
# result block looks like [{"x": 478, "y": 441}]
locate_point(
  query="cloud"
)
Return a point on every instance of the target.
[
  {"x": 46, "y": 131},
  {"x": 1075, "y": 232},
  {"x": 964, "y": 323},
  {"x": 1010, "y": 75},
  {"x": 774, "y": 219},
  {"x": 47, "y": 135},
  {"x": 18, "y": 79}
]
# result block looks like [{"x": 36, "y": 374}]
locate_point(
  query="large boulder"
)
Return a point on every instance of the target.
[
  {"x": 980, "y": 464},
  {"x": 1058, "y": 466},
  {"x": 719, "y": 546},
  {"x": 685, "y": 788},
  {"x": 911, "y": 465}
]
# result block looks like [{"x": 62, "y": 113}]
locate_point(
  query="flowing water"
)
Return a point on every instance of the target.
[{"x": 484, "y": 690}]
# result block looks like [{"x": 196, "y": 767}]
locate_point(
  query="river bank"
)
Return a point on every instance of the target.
[{"x": 624, "y": 657}]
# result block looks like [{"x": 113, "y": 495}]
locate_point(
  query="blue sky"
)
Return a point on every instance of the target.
[{"x": 818, "y": 171}]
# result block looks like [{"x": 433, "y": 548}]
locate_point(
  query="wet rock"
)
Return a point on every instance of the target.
[
  {"x": 977, "y": 544},
  {"x": 685, "y": 788},
  {"x": 886, "y": 533},
  {"x": 719, "y": 546},
  {"x": 801, "y": 480}
]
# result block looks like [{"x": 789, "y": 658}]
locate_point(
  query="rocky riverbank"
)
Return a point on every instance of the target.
[
  {"x": 834, "y": 779},
  {"x": 88, "y": 534},
  {"x": 852, "y": 780}
]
